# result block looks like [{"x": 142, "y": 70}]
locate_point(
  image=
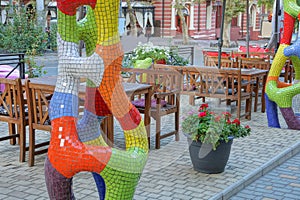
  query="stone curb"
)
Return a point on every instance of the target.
[{"x": 257, "y": 173}]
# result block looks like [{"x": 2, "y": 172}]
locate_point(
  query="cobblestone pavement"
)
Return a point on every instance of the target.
[
  {"x": 283, "y": 182},
  {"x": 168, "y": 173}
]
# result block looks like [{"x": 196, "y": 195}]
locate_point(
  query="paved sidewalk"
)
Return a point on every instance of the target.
[
  {"x": 283, "y": 182},
  {"x": 168, "y": 173}
]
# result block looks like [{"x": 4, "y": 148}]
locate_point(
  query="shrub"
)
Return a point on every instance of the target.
[{"x": 22, "y": 34}]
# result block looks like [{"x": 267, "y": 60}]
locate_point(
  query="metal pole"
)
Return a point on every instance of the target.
[
  {"x": 163, "y": 18},
  {"x": 220, "y": 42},
  {"x": 248, "y": 32},
  {"x": 277, "y": 7},
  {"x": 198, "y": 16}
]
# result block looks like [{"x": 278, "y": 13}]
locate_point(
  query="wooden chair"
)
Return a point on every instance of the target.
[
  {"x": 288, "y": 72},
  {"x": 255, "y": 63},
  {"x": 38, "y": 97},
  {"x": 13, "y": 112},
  {"x": 165, "y": 98},
  {"x": 226, "y": 62},
  {"x": 189, "y": 80},
  {"x": 223, "y": 84},
  {"x": 265, "y": 55}
]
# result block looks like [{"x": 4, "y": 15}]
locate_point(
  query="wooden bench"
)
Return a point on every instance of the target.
[{"x": 16, "y": 61}]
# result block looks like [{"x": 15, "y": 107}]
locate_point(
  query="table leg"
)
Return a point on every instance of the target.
[
  {"x": 107, "y": 126},
  {"x": 110, "y": 129},
  {"x": 263, "y": 101},
  {"x": 147, "y": 114}
]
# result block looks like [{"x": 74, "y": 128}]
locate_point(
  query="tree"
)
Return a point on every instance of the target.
[
  {"x": 133, "y": 28},
  {"x": 267, "y": 3},
  {"x": 179, "y": 6},
  {"x": 233, "y": 9}
]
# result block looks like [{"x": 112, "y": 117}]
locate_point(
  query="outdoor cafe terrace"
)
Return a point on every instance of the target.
[{"x": 168, "y": 173}]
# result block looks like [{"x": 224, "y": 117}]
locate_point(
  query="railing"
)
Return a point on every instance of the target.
[
  {"x": 16, "y": 60},
  {"x": 187, "y": 52}
]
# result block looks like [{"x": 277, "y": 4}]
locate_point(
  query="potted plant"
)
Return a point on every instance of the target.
[
  {"x": 148, "y": 50},
  {"x": 210, "y": 137},
  {"x": 139, "y": 57}
]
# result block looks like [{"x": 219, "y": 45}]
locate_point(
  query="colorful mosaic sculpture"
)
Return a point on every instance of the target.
[
  {"x": 77, "y": 145},
  {"x": 279, "y": 93}
]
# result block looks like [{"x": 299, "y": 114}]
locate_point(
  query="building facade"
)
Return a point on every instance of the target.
[{"x": 159, "y": 18}]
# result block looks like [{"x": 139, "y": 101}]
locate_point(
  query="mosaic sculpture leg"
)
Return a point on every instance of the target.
[
  {"x": 78, "y": 145},
  {"x": 278, "y": 92}
]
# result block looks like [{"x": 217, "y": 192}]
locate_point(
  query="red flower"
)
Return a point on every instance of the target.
[
  {"x": 228, "y": 121},
  {"x": 227, "y": 115},
  {"x": 218, "y": 118},
  {"x": 202, "y": 114},
  {"x": 247, "y": 126},
  {"x": 236, "y": 121},
  {"x": 203, "y": 106}
]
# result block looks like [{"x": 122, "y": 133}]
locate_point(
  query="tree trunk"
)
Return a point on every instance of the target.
[
  {"x": 226, "y": 33},
  {"x": 185, "y": 36},
  {"x": 133, "y": 28}
]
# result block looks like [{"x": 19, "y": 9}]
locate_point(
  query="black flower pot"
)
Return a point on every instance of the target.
[{"x": 207, "y": 160}]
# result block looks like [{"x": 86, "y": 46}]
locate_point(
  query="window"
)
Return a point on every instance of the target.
[
  {"x": 252, "y": 16},
  {"x": 208, "y": 14}
]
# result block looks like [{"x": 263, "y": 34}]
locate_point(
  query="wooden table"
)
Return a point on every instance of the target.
[
  {"x": 260, "y": 76},
  {"x": 247, "y": 74},
  {"x": 131, "y": 89}
]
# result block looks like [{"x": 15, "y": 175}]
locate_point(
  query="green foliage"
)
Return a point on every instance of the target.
[
  {"x": 52, "y": 42},
  {"x": 234, "y": 7},
  {"x": 176, "y": 59},
  {"x": 34, "y": 70},
  {"x": 148, "y": 50},
  {"x": 267, "y": 3},
  {"x": 210, "y": 128},
  {"x": 22, "y": 34}
]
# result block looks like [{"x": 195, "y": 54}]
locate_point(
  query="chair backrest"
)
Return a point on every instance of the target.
[
  {"x": 226, "y": 62},
  {"x": 162, "y": 80},
  {"x": 265, "y": 55},
  {"x": 38, "y": 97},
  {"x": 257, "y": 63},
  {"x": 12, "y": 101},
  {"x": 217, "y": 83}
]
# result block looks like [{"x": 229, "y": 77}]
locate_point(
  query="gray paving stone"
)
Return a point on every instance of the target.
[
  {"x": 165, "y": 198},
  {"x": 32, "y": 197}
]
